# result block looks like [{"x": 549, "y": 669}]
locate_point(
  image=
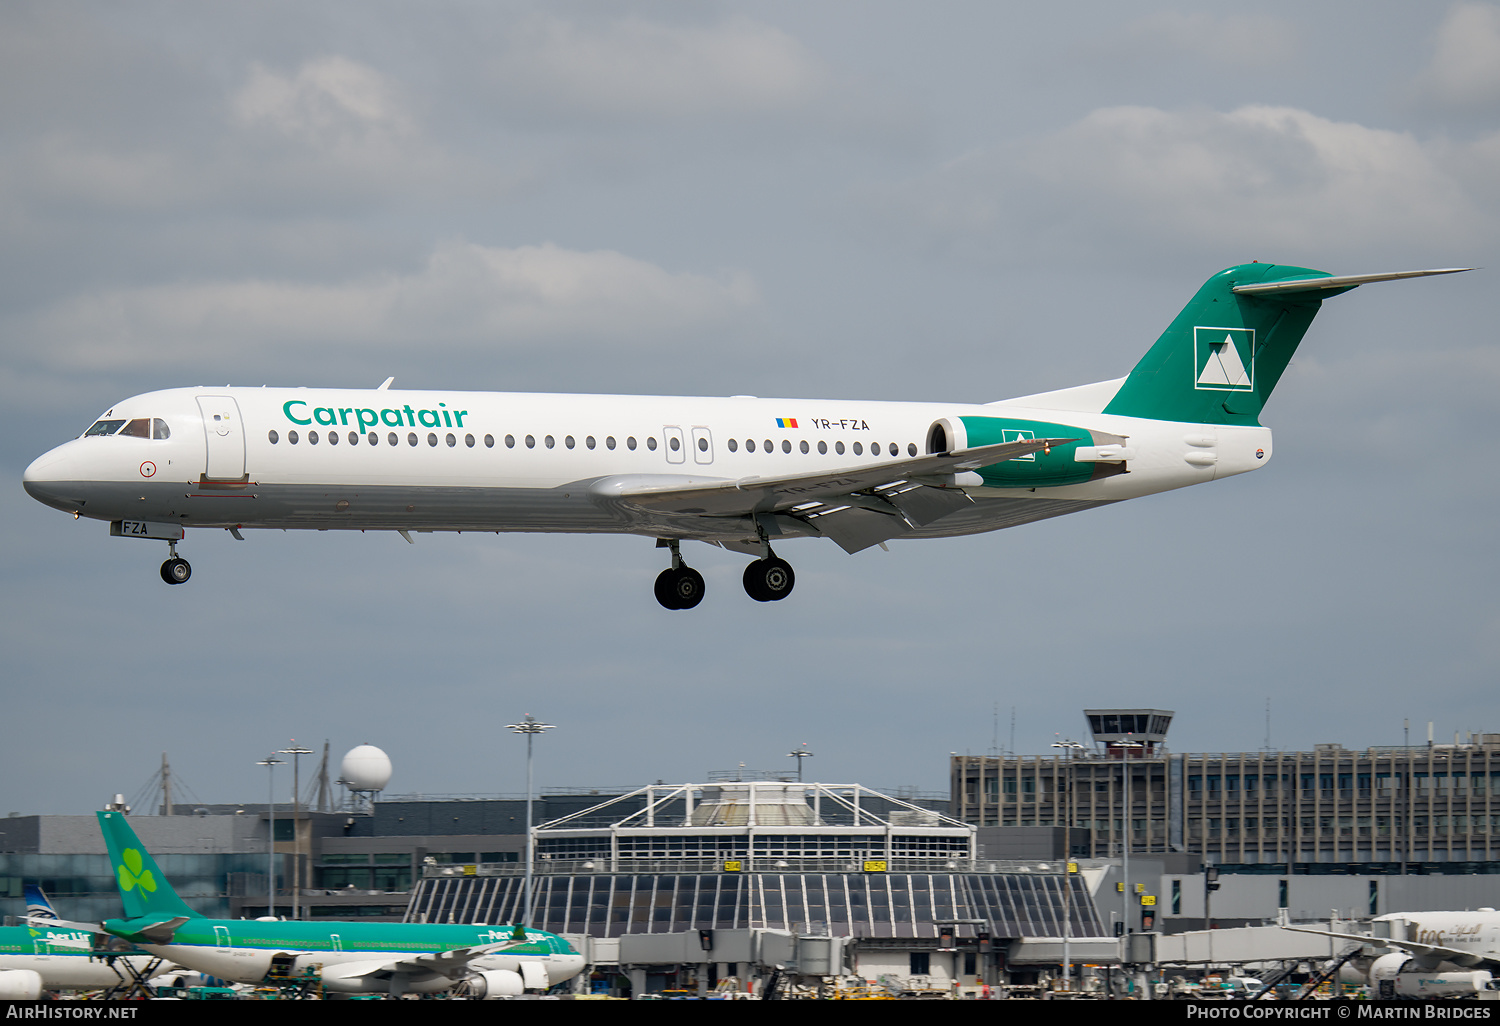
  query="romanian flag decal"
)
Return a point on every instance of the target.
[{"x": 786, "y": 422}]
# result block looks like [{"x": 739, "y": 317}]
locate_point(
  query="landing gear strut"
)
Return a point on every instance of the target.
[
  {"x": 679, "y": 586},
  {"x": 175, "y": 570}
]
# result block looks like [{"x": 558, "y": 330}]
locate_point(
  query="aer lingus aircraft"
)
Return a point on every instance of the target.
[
  {"x": 49, "y": 955},
  {"x": 347, "y": 957},
  {"x": 738, "y": 472}
]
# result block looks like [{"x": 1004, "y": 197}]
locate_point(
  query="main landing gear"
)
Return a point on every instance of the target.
[
  {"x": 768, "y": 579},
  {"x": 175, "y": 570},
  {"x": 679, "y": 586}
]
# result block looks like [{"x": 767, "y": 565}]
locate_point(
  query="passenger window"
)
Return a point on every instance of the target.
[
  {"x": 411, "y": 438},
  {"x": 312, "y": 438},
  {"x": 804, "y": 446},
  {"x": 822, "y": 448},
  {"x": 589, "y": 441},
  {"x": 609, "y": 441},
  {"x": 895, "y": 449},
  {"x": 786, "y": 446},
  {"x": 291, "y": 436},
  {"x": 769, "y": 447},
  {"x": 568, "y": 441},
  {"x": 531, "y": 441},
  {"x": 674, "y": 443},
  {"x": 140, "y": 428},
  {"x": 431, "y": 440},
  {"x": 859, "y": 450},
  {"x": 374, "y": 439},
  {"x": 104, "y": 427},
  {"x": 469, "y": 441},
  {"x": 838, "y": 447},
  {"x": 733, "y": 445},
  {"x": 451, "y": 440},
  {"x": 703, "y": 445},
  {"x": 510, "y": 441},
  {"x": 354, "y": 438},
  {"x": 333, "y": 438},
  {"x": 392, "y": 439},
  {"x": 274, "y": 437},
  {"x": 630, "y": 443},
  {"x": 651, "y": 443},
  {"x": 159, "y": 429},
  {"x": 749, "y": 445},
  {"x": 550, "y": 442},
  {"x": 911, "y": 448}
]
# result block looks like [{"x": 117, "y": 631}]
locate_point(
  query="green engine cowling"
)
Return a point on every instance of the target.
[{"x": 1038, "y": 470}]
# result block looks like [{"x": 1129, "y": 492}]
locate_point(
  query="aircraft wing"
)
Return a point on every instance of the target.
[
  {"x": 856, "y": 506},
  {"x": 1434, "y": 952}
]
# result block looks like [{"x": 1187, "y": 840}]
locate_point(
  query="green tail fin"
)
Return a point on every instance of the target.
[
  {"x": 1219, "y": 360},
  {"x": 144, "y": 889}
]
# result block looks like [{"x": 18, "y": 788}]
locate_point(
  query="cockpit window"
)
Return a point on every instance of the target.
[
  {"x": 104, "y": 427},
  {"x": 139, "y": 428},
  {"x": 159, "y": 429}
]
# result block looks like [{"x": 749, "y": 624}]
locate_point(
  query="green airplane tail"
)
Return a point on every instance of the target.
[
  {"x": 1219, "y": 360},
  {"x": 144, "y": 889}
]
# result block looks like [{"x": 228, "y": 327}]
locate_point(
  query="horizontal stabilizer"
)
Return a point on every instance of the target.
[{"x": 1343, "y": 281}]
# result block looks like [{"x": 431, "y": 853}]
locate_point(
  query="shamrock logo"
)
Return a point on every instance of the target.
[{"x": 131, "y": 875}]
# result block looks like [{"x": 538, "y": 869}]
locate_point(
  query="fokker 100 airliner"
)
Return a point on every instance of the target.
[{"x": 738, "y": 472}]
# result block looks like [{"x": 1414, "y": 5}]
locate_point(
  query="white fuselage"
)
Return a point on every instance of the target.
[{"x": 437, "y": 460}]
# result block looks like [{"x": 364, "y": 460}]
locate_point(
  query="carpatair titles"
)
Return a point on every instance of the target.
[{"x": 299, "y": 412}]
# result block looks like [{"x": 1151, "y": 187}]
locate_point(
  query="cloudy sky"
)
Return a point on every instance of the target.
[{"x": 952, "y": 201}]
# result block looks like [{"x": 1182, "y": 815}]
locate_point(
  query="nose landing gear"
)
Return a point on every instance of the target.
[
  {"x": 175, "y": 570},
  {"x": 679, "y": 586}
]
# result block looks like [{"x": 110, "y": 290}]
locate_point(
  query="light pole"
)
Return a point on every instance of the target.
[
  {"x": 1125, "y": 835},
  {"x": 296, "y": 751},
  {"x": 799, "y": 754},
  {"x": 270, "y": 762},
  {"x": 1068, "y": 749},
  {"x": 531, "y": 727}
]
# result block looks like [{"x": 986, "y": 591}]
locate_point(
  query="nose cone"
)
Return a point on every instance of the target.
[{"x": 50, "y": 480}]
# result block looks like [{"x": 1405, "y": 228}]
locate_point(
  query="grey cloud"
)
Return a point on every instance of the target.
[{"x": 1464, "y": 72}]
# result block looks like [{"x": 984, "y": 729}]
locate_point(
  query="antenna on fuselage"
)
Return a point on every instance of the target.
[{"x": 385, "y": 384}]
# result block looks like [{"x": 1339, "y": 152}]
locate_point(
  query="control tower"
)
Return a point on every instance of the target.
[{"x": 1129, "y": 733}]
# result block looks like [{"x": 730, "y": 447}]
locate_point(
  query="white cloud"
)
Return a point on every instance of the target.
[
  {"x": 467, "y": 296},
  {"x": 1270, "y": 181},
  {"x": 330, "y": 100},
  {"x": 1465, "y": 68},
  {"x": 649, "y": 69}
]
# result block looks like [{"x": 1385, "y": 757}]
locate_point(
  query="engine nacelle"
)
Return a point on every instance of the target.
[
  {"x": 20, "y": 985},
  {"x": 488, "y": 984}
]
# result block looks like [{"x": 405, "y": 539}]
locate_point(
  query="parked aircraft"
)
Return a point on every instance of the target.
[
  {"x": 1438, "y": 954},
  {"x": 50, "y": 955},
  {"x": 740, "y": 473},
  {"x": 347, "y": 957}
]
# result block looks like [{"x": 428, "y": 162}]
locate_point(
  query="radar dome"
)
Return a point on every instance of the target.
[{"x": 365, "y": 768}]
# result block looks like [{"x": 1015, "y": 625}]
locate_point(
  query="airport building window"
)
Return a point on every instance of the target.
[
  {"x": 274, "y": 437},
  {"x": 432, "y": 439},
  {"x": 291, "y": 436},
  {"x": 411, "y": 438}
]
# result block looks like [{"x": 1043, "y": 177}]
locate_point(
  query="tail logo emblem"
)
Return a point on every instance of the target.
[
  {"x": 1225, "y": 359},
  {"x": 131, "y": 875}
]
